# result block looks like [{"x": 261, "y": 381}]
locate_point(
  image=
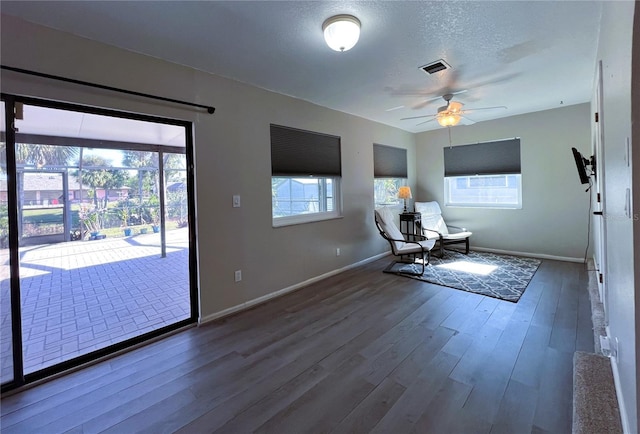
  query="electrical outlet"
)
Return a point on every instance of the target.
[
  {"x": 338, "y": 251},
  {"x": 238, "y": 275},
  {"x": 236, "y": 201}
]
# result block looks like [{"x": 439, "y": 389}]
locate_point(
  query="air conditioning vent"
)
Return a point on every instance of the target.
[{"x": 438, "y": 65}]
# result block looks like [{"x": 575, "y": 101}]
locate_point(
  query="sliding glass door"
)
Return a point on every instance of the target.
[
  {"x": 104, "y": 223},
  {"x": 6, "y": 318}
]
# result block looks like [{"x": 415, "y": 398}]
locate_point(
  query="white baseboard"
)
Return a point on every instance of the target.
[
  {"x": 281, "y": 292},
  {"x": 621, "y": 404},
  {"x": 530, "y": 255}
]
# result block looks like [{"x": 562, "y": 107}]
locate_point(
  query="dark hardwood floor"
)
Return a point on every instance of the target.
[{"x": 358, "y": 352}]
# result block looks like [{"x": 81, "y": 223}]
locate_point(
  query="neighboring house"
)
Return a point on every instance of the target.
[
  {"x": 43, "y": 189},
  {"x": 176, "y": 187},
  {"x": 295, "y": 196}
]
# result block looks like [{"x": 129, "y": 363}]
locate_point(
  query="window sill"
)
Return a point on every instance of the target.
[
  {"x": 303, "y": 219},
  {"x": 482, "y": 206}
]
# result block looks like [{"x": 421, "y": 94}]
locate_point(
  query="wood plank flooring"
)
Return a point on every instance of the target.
[{"x": 358, "y": 352}]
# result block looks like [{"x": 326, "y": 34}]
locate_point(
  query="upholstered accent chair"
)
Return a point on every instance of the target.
[
  {"x": 435, "y": 228},
  {"x": 409, "y": 247}
]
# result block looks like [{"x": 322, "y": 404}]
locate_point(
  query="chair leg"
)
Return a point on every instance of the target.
[{"x": 466, "y": 252}]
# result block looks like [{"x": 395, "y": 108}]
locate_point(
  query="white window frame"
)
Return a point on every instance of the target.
[
  {"x": 449, "y": 203},
  {"x": 309, "y": 217}
]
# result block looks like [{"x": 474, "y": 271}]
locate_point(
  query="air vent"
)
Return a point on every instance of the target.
[{"x": 438, "y": 65}]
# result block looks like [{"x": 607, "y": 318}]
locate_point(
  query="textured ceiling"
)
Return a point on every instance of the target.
[{"x": 526, "y": 55}]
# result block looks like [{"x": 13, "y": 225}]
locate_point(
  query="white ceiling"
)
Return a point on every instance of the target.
[{"x": 526, "y": 55}]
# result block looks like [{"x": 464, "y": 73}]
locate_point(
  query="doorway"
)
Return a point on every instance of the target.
[
  {"x": 598, "y": 196},
  {"x": 98, "y": 208}
]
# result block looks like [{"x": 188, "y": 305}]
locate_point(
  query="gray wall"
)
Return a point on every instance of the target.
[
  {"x": 232, "y": 150},
  {"x": 622, "y": 233},
  {"x": 554, "y": 215}
]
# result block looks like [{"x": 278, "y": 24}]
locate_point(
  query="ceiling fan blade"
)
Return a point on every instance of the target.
[
  {"x": 458, "y": 92},
  {"x": 423, "y": 103},
  {"x": 484, "y": 108},
  {"x": 467, "y": 121},
  {"x": 427, "y": 101},
  {"x": 429, "y": 120},
  {"x": 419, "y": 117}
]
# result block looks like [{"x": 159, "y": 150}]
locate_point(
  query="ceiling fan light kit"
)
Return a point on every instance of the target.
[
  {"x": 455, "y": 107},
  {"x": 448, "y": 119},
  {"x": 451, "y": 114},
  {"x": 341, "y": 32}
]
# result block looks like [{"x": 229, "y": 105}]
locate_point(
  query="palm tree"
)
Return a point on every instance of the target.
[
  {"x": 98, "y": 176},
  {"x": 42, "y": 155}
]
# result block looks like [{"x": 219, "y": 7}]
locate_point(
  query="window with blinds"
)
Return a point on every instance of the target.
[
  {"x": 389, "y": 174},
  {"x": 306, "y": 168},
  {"x": 484, "y": 174}
]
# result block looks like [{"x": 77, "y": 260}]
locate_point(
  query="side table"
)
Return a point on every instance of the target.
[{"x": 410, "y": 222}]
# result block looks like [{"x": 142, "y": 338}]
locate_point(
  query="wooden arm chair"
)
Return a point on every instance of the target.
[
  {"x": 407, "y": 246},
  {"x": 434, "y": 227}
]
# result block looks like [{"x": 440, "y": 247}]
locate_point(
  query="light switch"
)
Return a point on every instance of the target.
[{"x": 236, "y": 201}]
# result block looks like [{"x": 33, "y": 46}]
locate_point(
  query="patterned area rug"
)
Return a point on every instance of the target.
[{"x": 500, "y": 276}]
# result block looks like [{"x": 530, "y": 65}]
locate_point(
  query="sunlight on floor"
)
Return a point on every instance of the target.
[{"x": 469, "y": 267}]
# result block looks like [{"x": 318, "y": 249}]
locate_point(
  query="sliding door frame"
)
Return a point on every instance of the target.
[
  {"x": 14, "y": 264},
  {"x": 19, "y": 378}
]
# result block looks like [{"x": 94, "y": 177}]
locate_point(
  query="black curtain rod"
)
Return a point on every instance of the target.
[{"x": 209, "y": 109}]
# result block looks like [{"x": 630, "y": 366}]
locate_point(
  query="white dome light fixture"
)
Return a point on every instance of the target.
[{"x": 341, "y": 32}]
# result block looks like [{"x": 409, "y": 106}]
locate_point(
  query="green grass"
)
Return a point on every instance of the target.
[
  {"x": 135, "y": 230},
  {"x": 41, "y": 218}
]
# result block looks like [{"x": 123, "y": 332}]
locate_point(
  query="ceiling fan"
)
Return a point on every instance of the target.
[{"x": 451, "y": 114}]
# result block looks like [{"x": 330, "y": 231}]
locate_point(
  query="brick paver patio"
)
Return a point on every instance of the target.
[{"x": 80, "y": 296}]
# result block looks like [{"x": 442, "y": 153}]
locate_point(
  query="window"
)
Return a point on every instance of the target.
[
  {"x": 496, "y": 191},
  {"x": 385, "y": 191},
  {"x": 389, "y": 172},
  {"x": 483, "y": 175},
  {"x": 305, "y": 176},
  {"x": 302, "y": 196}
]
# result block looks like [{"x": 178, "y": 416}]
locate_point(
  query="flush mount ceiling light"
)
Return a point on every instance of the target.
[{"x": 341, "y": 32}]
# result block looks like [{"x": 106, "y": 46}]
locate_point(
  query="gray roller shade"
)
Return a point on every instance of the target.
[
  {"x": 304, "y": 153},
  {"x": 489, "y": 158},
  {"x": 389, "y": 162}
]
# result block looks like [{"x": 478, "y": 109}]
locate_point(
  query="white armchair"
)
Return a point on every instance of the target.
[
  {"x": 435, "y": 228},
  {"x": 403, "y": 245}
]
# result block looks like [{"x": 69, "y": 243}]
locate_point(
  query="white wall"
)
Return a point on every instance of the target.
[
  {"x": 232, "y": 154},
  {"x": 622, "y": 247},
  {"x": 554, "y": 215}
]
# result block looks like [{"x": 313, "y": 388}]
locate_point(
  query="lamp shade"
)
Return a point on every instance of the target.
[
  {"x": 341, "y": 32},
  {"x": 404, "y": 193}
]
